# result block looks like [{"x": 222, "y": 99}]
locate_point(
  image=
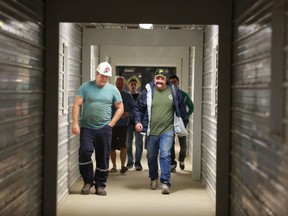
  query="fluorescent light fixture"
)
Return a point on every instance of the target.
[{"x": 146, "y": 26}]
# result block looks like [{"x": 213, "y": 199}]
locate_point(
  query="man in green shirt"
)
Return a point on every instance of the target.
[
  {"x": 154, "y": 116},
  {"x": 174, "y": 80}
]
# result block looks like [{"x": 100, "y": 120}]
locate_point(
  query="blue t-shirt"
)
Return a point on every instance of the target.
[
  {"x": 97, "y": 103},
  {"x": 129, "y": 106}
]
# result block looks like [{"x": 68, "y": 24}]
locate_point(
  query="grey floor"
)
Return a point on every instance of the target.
[{"x": 129, "y": 195}]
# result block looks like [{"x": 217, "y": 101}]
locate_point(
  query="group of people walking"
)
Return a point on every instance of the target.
[{"x": 112, "y": 116}]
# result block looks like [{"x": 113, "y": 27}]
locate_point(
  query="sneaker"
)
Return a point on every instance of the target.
[
  {"x": 86, "y": 188},
  {"x": 182, "y": 165},
  {"x": 101, "y": 191},
  {"x": 138, "y": 167},
  {"x": 165, "y": 188},
  {"x": 129, "y": 166},
  {"x": 154, "y": 184},
  {"x": 173, "y": 168},
  {"x": 123, "y": 170},
  {"x": 113, "y": 170}
]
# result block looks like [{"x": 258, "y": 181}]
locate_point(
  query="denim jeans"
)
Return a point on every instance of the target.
[
  {"x": 138, "y": 144},
  {"x": 182, "y": 152},
  {"x": 162, "y": 143},
  {"x": 100, "y": 141}
]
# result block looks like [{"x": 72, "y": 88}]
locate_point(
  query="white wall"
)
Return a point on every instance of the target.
[{"x": 147, "y": 56}]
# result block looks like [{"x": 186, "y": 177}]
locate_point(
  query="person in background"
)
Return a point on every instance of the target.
[
  {"x": 174, "y": 80},
  {"x": 119, "y": 132},
  {"x": 133, "y": 86},
  {"x": 97, "y": 97},
  {"x": 154, "y": 115}
]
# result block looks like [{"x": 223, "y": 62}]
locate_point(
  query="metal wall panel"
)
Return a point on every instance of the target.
[
  {"x": 190, "y": 91},
  {"x": 21, "y": 107},
  {"x": 68, "y": 144},
  {"x": 285, "y": 84},
  {"x": 209, "y": 119},
  {"x": 258, "y": 168}
]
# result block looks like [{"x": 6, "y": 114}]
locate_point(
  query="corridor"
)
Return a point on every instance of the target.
[{"x": 231, "y": 56}]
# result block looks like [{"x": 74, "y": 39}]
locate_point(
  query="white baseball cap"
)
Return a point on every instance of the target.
[{"x": 104, "y": 68}]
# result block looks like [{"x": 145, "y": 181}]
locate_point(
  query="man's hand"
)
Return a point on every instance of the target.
[
  {"x": 75, "y": 129},
  {"x": 139, "y": 127}
]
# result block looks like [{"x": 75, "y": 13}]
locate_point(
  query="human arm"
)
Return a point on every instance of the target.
[
  {"x": 139, "y": 110},
  {"x": 118, "y": 113},
  {"x": 125, "y": 115},
  {"x": 129, "y": 105},
  {"x": 182, "y": 106},
  {"x": 189, "y": 104},
  {"x": 75, "y": 114}
]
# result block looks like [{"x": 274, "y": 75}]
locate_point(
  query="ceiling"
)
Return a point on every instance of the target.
[{"x": 136, "y": 26}]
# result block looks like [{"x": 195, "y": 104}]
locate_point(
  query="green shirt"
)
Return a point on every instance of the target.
[{"x": 162, "y": 112}]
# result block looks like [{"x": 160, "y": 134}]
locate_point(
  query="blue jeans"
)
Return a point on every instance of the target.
[
  {"x": 162, "y": 143},
  {"x": 100, "y": 141},
  {"x": 139, "y": 146}
]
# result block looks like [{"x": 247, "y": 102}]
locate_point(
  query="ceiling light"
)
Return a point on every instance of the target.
[{"x": 146, "y": 26}]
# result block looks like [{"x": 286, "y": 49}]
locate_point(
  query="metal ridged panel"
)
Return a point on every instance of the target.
[
  {"x": 285, "y": 85},
  {"x": 209, "y": 122},
  {"x": 21, "y": 109},
  {"x": 190, "y": 91},
  {"x": 68, "y": 144},
  {"x": 258, "y": 177}
]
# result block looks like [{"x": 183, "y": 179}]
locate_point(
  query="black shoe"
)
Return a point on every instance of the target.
[
  {"x": 101, "y": 191},
  {"x": 123, "y": 170},
  {"x": 173, "y": 168},
  {"x": 182, "y": 165},
  {"x": 86, "y": 188}
]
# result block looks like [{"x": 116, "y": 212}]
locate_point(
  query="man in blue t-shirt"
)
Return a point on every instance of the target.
[{"x": 97, "y": 96}]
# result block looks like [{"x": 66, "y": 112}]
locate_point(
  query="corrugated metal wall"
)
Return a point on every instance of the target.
[
  {"x": 21, "y": 107},
  {"x": 70, "y": 78},
  {"x": 285, "y": 86},
  {"x": 209, "y": 109},
  {"x": 190, "y": 91},
  {"x": 259, "y": 163}
]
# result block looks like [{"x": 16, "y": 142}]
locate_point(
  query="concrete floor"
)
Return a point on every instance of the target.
[{"x": 129, "y": 195}]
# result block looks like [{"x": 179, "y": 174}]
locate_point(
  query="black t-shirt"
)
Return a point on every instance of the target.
[
  {"x": 131, "y": 118},
  {"x": 135, "y": 96}
]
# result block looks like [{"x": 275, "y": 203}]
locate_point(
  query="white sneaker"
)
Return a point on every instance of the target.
[{"x": 165, "y": 188}]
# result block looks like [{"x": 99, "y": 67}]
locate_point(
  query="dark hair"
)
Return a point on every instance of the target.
[{"x": 174, "y": 77}]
